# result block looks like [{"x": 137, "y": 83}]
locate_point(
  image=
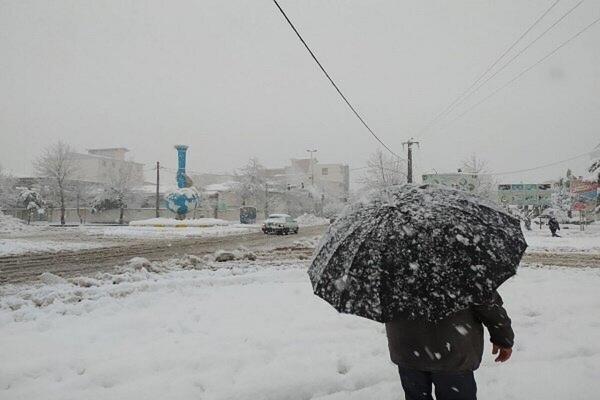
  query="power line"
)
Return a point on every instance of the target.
[
  {"x": 331, "y": 80},
  {"x": 521, "y": 52},
  {"x": 541, "y": 166},
  {"x": 451, "y": 106},
  {"x": 519, "y": 75}
]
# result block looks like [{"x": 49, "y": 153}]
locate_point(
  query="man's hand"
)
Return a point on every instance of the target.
[{"x": 504, "y": 353}]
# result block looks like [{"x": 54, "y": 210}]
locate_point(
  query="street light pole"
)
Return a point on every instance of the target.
[{"x": 312, "y": 167}]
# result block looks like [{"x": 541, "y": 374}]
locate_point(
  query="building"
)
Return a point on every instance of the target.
[
  {"x": 289, "y": 189},
  {"x": 97, "y": 164},
  {"x": 329, "y": 180}
]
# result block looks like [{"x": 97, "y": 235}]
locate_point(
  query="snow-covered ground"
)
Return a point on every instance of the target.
[
  {"x": 572, "y": 239},
  {"x": 23, "y": 246},
  {"x": 311, "y": 220},
  {"x": 250, "y": 330},
  {"x": 10, "y": 225}
]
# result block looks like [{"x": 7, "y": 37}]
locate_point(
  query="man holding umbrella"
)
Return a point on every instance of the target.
[
  {"x": 427, "y": 261},
  {"x": 445, "y": 353}
]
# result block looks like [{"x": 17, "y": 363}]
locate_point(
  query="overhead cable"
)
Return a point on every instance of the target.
[
  {"x": 361, "y": 119},
  {"x": 540, "y": 166},
  {"x": 519, "y": 75},
  {"x": 521, "y": 51},
  {"x": 465, "y": 93}
]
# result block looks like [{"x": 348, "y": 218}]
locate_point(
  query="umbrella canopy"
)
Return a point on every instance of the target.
[{"x": 416, "y": 251}]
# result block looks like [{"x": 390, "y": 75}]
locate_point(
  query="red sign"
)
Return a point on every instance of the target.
[{"x": 584, "y": 194}]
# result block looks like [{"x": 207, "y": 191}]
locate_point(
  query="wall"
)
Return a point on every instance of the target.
[{"x": 94, "y": 168}]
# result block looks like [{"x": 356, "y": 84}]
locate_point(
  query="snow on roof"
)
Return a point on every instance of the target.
[{"x": 278, "y": 215}]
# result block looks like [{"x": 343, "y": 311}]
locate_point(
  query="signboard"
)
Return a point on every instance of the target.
[
  {"x": 536, "y": 194},
  {"x": 466, "y": 182},
  {"x": 584, "y": 194}
]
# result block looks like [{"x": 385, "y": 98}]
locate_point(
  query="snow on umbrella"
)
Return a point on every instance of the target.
[{"x": 416, "y": 251}]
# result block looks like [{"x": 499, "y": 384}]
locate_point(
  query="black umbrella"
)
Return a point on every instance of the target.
[{"x": 417, "y": 251}]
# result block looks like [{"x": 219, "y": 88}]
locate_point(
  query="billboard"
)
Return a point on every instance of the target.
[
  {"x": 584, "y": 194},
  {"x": 520, "y": 194},
  {"x": 466, "y": 182}
]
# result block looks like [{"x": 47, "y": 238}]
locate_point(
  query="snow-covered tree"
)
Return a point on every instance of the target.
[
  {"x": 561, "y": 197},
  {"x": 485, "y": 184},
  {"x": 32, "y": 201},
  {"x": 525, "y": 213},
  {"x": 57, "y": 163},
  {"x": 293, "y": 200},
  {"x": 252, "y": 181},
  {"x": 384, "y": 170},
  {"x": 333, "y": 209},
  {"x": 118, "y": 192}
]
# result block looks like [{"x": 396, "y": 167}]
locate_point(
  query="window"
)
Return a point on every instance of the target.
[{"x": 325, "y": 171}]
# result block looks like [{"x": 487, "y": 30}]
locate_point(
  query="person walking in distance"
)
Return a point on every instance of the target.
[{"x": 554, "y": 226}]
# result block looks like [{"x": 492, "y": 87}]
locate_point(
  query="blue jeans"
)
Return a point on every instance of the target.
[{"x": 448, "y": 385}]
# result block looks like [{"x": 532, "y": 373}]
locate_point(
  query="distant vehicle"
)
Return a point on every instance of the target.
[
  {"x": 247, "y": 215},
  {"x": 281, "y": 224}
]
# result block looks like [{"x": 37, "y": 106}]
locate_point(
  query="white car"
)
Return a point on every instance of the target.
[{"x": 281, "y": 224}]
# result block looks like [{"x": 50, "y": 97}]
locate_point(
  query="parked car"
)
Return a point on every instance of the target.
[{"x": 281, "y": 224}]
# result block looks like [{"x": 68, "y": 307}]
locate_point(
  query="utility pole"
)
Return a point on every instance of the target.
[
  {"x": 409, "y": 172},
  {"x": 157, "y": 188},
  {"x": 216, "y": 210},
  {"x": 266, "y": 200}
]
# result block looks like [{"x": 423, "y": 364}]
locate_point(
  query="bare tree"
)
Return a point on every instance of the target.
[
  {"x": 475, "y": 165},
  {"x": 384, "y": 170},
  {"x": 119, "y": 190},
  {"x": 8, "y": 194},
  {"x": 57, "y": 163},
  {"x": 594, "y": 169},
  {"x": 485, "y": 184}
]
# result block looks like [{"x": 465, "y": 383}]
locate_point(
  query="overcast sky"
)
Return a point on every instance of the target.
[{"x": 230, "y": 79}]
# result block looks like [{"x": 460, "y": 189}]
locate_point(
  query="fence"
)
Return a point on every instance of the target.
[{"x": 86, "y": 216}]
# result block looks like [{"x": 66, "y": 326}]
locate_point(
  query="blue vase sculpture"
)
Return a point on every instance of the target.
[{"x": 186, "y": 197}]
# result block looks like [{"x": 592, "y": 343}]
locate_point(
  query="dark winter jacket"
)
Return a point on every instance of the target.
[
  {"x": 452, "y": 344},
  {"x": 553, "y": 224}
]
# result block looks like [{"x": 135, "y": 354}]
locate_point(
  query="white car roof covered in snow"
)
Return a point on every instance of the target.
[{"x": 279, "y": 216}]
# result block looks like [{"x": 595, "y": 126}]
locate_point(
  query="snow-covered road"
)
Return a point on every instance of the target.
[
  {"x": 247, "y": 330},
  {"x": 23, "y": 246}
]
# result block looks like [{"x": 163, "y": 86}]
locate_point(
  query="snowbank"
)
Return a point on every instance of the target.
[
  {"x": 168, "y": 232},
  {"x": 172, "y": 222},
  {"x": 197, "y": 331},
  {"x": 311, "y": 220},
  {"x": 12, "y": 225},
  {"x": 23, "y": 246}
]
